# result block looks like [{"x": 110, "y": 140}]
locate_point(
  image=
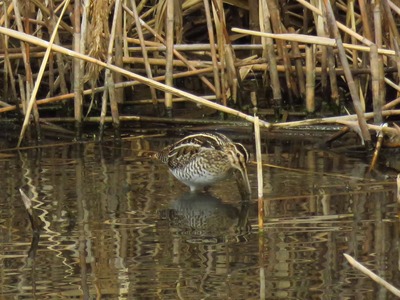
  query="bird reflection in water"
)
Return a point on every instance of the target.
[{"x": 203, "y": 218}]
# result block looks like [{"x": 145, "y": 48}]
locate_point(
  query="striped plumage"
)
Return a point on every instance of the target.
[{"x": 199, "y": 160}]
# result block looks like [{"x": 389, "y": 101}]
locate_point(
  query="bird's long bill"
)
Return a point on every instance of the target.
[{"x": 243, "y": 182}]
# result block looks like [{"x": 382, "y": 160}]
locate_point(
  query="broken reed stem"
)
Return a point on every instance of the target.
[
  {"x": 144, "y": 50},
  {"x": 372, "y": 275},
  {"x": 334, "y": 32},
  {"x": 377, "y": 149},
  {"x": 260, "y": 184},
  {"x": 310, "y": 79},
  {"x": 32, "y": 100}
]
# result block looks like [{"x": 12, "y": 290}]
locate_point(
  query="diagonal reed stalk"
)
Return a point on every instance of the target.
[
  {"x": 372, "y": 275},
  {"x": 334, "y": 32},
  {"x": 40, "y": 76}
]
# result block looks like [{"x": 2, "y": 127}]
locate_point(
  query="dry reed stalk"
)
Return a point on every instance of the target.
[
  {"x": 372, "y": 275},
  {"x": 375, "y": 86},
  {"x": 108, "y": 119},
  {"x": 269, "y": 54},
  {"x": 109, "y": 92},
  {"x": 178, "y": 21},
  {"x": 321, "y": 32},
  {"x": 201, "y": 48},
  {"x": 260, "y": 184},
  {"x": 85, "y": 37},
  {"x": 332, "y": 77},
  {"x": 366, "y": 25},
  {"x": 144, "y": 51},
  {"x": 302, "y": 38},
  {"x": 328, "y": 120},
  {"x": 299, "y": 66},
  {"x": 277, "y": 27},
  {"x": 229, "y": 53},
  {"x": 7, "y": 12},
  {"x": 119, "y": 54},
  {"x": 220, "y": 47},
  {"x": 169, "y": 69},
  {"x": 381, "y": 93},
  {"x": 310, "y": 79},
  {"x": 391, "y": 104},
  {"x": 213, "y": 51},
  {"x": 139, "y": 78},
  {"x": 159, "y": 100},
  {"x": 162, "y": 62},
  {"x": 39, "y": 78},
  {"x": 351, "y": 19},
  {"x": 141, "y": 5},
  {"x": 8, "y": 72},
  {"x": 77, "y": 70},
  {"x": 392, "y": 84},
  {"x": 331, "y": 22}
]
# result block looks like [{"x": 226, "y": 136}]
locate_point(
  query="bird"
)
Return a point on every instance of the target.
[{"x": 199, "y": 160}]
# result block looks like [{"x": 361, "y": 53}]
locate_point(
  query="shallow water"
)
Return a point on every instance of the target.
[{"x": 119, "y": 226}]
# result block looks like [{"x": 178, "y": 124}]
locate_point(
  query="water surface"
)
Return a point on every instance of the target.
[{"x": 119, "y": 226}]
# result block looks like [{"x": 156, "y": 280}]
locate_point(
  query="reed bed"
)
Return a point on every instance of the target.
[{"x": 90, "y": 60}]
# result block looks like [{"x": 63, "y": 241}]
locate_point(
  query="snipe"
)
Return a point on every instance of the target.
[{"x": 199, "y": 160}]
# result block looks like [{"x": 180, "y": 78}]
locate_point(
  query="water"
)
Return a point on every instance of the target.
[{"x": 119, "y": 226}]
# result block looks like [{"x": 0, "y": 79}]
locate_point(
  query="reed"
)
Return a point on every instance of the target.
[
  {"x": 169, "y": 53},
  {"x": 260, "y": 184},
  {"x": 372, "y": 275},
  {"x": 269, "y": 54}
]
